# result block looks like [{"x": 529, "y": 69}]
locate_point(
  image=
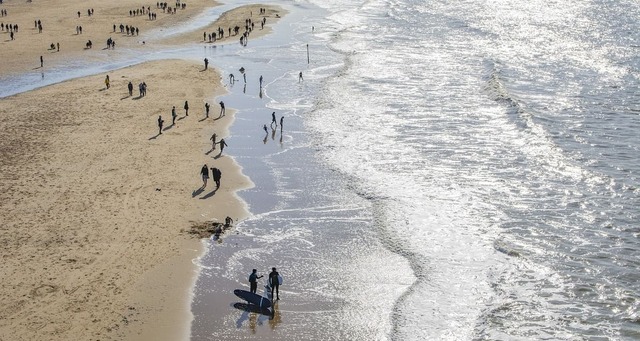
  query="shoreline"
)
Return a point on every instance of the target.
[
  {"x": 102, "y": 218},
  {"x": 100, "y": 268}
]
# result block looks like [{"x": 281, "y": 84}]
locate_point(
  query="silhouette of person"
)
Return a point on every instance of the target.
[
  {"x": 206, "y": 63},
  {"x": 300, "y": 79},
  {"x": 41, "y": 62},
  {"x": 213, "y": 141},
  {"x": 217, "y": 174},
  {"x": 273, "y": 119},
  {"x": 222, "y": 144},
  {"x": 160, "y": 122},
  {"x": 222, "y": 109},
  {"x": 206, "y": 109},
  {"x": 205, "y": 175},
  {"x": 281, "y": 122},
  {"x": 253, "y": 280},
  {"x": 274, "y": 283},
  {"x": 186, "y": 108},
  {"x": 173, "y": 115},
  {"x": 106, "y": 81},
  {"x": 130, "y": 87}
]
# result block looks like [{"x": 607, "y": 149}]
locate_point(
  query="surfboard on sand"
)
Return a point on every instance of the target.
[{"x": 252, "y": 298}]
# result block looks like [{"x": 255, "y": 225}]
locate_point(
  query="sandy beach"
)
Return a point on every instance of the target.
[{"x": 97, "y": 204}]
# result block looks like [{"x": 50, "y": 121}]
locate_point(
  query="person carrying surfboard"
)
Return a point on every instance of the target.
[
  {"x": 253, "y": 280},
  {"x": 274, "y": 282}
]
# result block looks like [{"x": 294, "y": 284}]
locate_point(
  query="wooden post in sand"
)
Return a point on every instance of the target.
[{"x": 307, "y": 53}]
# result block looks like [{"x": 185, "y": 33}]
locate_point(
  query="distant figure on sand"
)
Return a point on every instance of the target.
[
  {"x": 222, "y": 109},
  {"x": 216, "y": 174},
  {"x": 260, "y": 80},
  {"x": 206, "y": 109},
  {"x": 274, "y": 283},
  {"x": 253, "y": 280},
  {"x": 222, "y": 144},
  {"x": 232, "y": 78},
  {"x": 186, "y": 108},
  {"x": 300, "y": 79},
  {"x": 205, "y": 175},
  {"x": 281, "y": 122},
  {"x": 213, "y": 141},
  {"x": 227, "y": 223},
  {"x": 265, "y": 129},
  {"x": 130, "y": 87},
  {"x": 106, "y": 81},
  {"x": 160, "y": 122},
  {"x": 273, "y": 119},
  {"x": 173, "y": 115},
  {"x": 206, "y": 63},
  {"x": 41, "y": 62}
]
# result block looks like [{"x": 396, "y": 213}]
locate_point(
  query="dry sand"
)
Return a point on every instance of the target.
[{"x": 95, "y": 204}]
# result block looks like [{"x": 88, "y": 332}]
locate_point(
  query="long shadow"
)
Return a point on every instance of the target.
[
  {"x": 210, "y": 194},
  {"x": 204, "y": 119},
  {"x": 209, "y": 152},
  {"x": 218, "y": 156},
  {"x": 168, "y": 127},
  {"x": 125, "y": 97},
  {"x": 181, "y": 118},
  {"x": 197, "y": 192},
  {"x": 137, "y": 98},
  {"x": 154, "y": 137},
  {"x": 251, "y": 308}
]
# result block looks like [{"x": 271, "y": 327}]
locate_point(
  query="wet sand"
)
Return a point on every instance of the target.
[{"x": 96, "y": 204}]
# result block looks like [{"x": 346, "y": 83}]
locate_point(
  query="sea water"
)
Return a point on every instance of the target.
[{"x": 448, "y": 170}]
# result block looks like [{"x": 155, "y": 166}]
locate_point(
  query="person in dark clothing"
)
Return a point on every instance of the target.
[
  {"x": 274, "y": 283},
  {"x": 253, "y": 280},
  {"x": 173, "y": 115},
  {"x": 206, "y": 63},
  {"x": 273, "y": 119},
  {"x": 222, "y": 144},
  {"x": 222, "y": 110},
  {"x": 205, "y": 175},
  {"x": 160, "y": 122},
  {"x": 130, "y": 87},
  {"x": 206, "y": 109},
  {"x": 217, "y": 174},
  {"x": 186, "y": 108}
]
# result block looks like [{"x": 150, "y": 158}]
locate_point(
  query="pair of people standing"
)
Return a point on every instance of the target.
[
  {"x": 215, "y": 173},
  {"x": 274, "y": 282}
]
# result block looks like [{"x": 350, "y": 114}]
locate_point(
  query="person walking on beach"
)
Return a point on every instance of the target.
[
  {"x": 253, "y": 281},
  {"x": 130, "y": 87},
  {"x": 222, "y": 144},
  {"x": 173, "y": 115},
  {"x": 186, "y": 108},
  {"x": 106, "y": 81},
  {"x": 273, "y": 119},
  {"x": 217, "y": 175},
  {"x": 274, "y": 283},
  {"x": 41, "y": 62},
  {"x": 260, "y": 80},
  {"x": 300, "y": 79},
  {"x": 222, "y": 109},
  {"x": 265, "y": 129},
  {"x": 213, "y": 141},
  {"x": 206, "y": 109},
  {"x": 205, "y": 175},
  {"x": 206, "y": 63},
  {"x": 160, "y": 122},
  {"x": 281, "y": 122}
]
